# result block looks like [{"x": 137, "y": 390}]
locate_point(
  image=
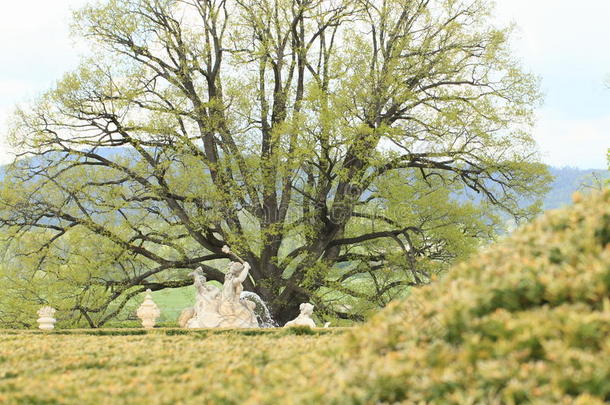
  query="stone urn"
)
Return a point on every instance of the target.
[
  {"x": 46, "y": 320},
  {"x": 148, "y": 312}
]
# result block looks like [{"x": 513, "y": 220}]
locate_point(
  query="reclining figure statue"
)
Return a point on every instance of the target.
[{"x": 304, "y": 318}]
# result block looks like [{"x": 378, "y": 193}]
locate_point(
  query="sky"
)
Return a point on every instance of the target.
[{"x": 563, "y": 42}]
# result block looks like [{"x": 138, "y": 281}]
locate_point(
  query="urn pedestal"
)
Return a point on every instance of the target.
[
  {"x": 148, "y": 312},
  {"x": 46, "y": 320}
]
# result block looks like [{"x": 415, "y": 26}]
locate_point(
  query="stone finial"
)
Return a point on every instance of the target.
[
  {"x": 149, "y": 311},
  {"x": 46, "y": 320}
]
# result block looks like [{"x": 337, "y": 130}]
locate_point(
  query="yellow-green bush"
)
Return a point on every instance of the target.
[{"x": 528, "y": 320}]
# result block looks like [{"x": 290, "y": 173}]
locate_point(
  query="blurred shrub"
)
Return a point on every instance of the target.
[{"x": 527, "y": 320}]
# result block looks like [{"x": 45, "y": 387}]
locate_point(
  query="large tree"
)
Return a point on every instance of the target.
[{"x": 333, "y": 144}]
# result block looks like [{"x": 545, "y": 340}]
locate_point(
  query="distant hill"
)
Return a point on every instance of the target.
[{"x": 567, "y": 181}]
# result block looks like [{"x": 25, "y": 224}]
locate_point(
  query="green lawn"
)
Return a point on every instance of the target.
[{"x": 173, "y": 301}]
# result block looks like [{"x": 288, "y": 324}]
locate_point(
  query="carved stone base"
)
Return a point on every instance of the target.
[{"x": 225, "y": 314}]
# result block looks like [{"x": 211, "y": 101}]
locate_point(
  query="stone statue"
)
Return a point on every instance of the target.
[
  {"x": 205, "y": 311},
  {"x": 46, "y": 320},
  {"x": 206, "y": 293},
  {"x": 236, "y": 313},
  {"x": 185, "y": 316},
  {"x": 304, "y": 318},
  {"x": 221, "y": 308},
  {"x": 149, "y": 311},
  {"x": 232, "y": 287}
]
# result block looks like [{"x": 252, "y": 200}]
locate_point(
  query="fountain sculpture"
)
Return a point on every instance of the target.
[
  {"x": 221, "y": 308},
  {"x": 230, "y": 306}
]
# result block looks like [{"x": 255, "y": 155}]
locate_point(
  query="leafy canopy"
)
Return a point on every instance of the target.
[{"x": 347, "y": 149}]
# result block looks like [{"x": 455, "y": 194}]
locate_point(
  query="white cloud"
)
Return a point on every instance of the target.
[
  {"x": 571, "y": 142},
  {"x": 563, "y": 23},
  {"x": 35, "y": 37},
  {"x": 561, "y": 35},
  {"x": 35, "y": 50},
  {"x": 565, "y": 42}
]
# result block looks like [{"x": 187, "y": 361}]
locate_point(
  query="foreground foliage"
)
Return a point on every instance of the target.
[
  {"x": 166, "y": 366},
  {"x": 526, "y": 321}
]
